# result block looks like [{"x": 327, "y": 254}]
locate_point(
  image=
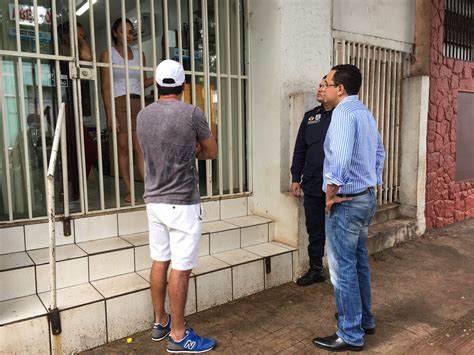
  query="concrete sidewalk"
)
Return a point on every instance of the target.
[{"x": 423, "y": 300}]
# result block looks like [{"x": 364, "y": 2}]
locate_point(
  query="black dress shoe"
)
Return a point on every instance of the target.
[
  {"x": 315, "y": 274},
  {"x": 334, "y": 343},
  {"x": 368, "y": 331}
]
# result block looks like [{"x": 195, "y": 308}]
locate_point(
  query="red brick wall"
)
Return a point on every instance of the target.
[{"x": 447, "y": 201}]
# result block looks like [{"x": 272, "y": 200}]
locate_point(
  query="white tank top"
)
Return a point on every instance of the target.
[{"x": 119, "y": 74}]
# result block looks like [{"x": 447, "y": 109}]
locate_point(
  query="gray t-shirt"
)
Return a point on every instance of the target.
[{"x": 168, "y": 131}]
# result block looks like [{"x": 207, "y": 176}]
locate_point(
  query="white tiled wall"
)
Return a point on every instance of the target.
[
  {"x": 129, "y": 314},
  {"x": 223, "y": 241},
  {"x": 83, "y": 328},
  {"x": 234, "y": 207},
  {"x": 16, "y": 309},
  {"x": 211, "y": 211},
  {"x": 247, "y": 279},
  {"x": 271, "y": 231},
  {"x": 97, "y": 227},
  {"x": 12, "y": 240},
  {"x": 74, "y": 296},
  {"x": 68, "y": 273},
  {"x": 120, "y": 285},
  {"x": 17, "y": 283},
  {"x": 27, "y": 337},
  {"x": 254, "y": 235},
  {"x": 142, "y": 258},
  {"x": 213, "y": 289},
  {"x": 37, "y": 235},
  {"x": 132, "y": 222},
  {"x": 111, "y": 264},
  {"x": 190, "y": 307},
  {"x": 204, "y": 245},
  {"x": 282, "y": 270}
]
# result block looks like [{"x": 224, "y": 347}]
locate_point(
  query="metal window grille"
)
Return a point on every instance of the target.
[
  {"x": 207, "y": 36},
  {"x": 459, "y": 29},
  {"x": 382, "y": 72}
]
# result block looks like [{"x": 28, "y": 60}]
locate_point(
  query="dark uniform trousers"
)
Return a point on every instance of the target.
[
  {"x": 314, "y": 204},
  {"x": 308, "y": 160}
]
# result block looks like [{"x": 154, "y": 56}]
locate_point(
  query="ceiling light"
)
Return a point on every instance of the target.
[{"x": 84, "y": 7}]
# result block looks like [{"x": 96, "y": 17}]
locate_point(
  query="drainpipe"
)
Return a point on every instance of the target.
[{"x": 53, "y": 315}]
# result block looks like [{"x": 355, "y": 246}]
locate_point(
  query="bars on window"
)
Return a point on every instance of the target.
[
  {"x": 209, "y": 38},
  {"x": 382, "y": 72},
  {"x": 459, "y": 29}
]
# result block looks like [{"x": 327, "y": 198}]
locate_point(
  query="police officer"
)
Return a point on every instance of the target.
[{"x": 308, "y": 159}]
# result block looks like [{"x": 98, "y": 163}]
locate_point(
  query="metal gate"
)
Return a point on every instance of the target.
[
  {"x": 382, "y": 72},
  {"x": 45, "y": 60}
]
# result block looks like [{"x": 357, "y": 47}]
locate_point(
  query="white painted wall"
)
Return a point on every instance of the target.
[
  {"x": 392, "y": 20},
  {"x": 413, "y": 149},
  {"x": 290, "y": 50}
]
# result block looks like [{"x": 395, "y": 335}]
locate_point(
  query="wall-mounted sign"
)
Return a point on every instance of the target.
[
  {"x": 186, "y": 55},
  {"x": 29, "y": 35},
  {"x": 26, "y": 14}
]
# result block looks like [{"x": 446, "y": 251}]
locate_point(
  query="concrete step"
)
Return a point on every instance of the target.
[
  {"x": 390, "y": 233},
  {"x": 386, "y": 212}
]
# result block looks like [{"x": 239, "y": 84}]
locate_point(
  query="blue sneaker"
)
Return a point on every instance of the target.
[
  {"x": 191, "y": 343},
  {"x": 159, "y": 332}
]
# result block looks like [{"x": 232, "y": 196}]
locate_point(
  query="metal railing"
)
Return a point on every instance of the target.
[
  {"x": 382, "y": 72},
  {"x": 59, "y": 134},
  {"x": 216, "y": 66}
]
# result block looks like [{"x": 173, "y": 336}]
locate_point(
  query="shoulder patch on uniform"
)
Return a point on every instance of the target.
[{"x": 314, "y": 119}]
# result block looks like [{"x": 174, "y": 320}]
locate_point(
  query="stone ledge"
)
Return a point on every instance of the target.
[{"x": 390, "y": 233}]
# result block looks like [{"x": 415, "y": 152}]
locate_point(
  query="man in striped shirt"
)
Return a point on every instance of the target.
[{"x": 354, "y": 157}]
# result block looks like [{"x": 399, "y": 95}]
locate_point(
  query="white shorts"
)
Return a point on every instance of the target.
[{"x": 175, "y": 231}]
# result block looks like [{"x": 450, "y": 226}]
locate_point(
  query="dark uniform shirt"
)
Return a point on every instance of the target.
[{"x": 308, "y": 156}]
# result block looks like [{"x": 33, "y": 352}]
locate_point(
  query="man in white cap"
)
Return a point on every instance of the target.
[{"x": 172, "y": 134}]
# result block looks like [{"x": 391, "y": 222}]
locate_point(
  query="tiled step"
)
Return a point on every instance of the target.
[
  {"x": 104, "y": 282},
  {"x": 116, "y": 306},
  {"x": 102, "y": 258}
]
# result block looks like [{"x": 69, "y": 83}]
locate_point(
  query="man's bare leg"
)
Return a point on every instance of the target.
[
  {"x": 178, "y": 292},
  {"x": 159, "y": 270}
]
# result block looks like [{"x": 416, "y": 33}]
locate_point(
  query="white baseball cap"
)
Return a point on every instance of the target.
[{"x": 169, "y": 73}]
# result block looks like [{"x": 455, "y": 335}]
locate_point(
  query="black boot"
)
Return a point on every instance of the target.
[{"x": 315, "y": 274}]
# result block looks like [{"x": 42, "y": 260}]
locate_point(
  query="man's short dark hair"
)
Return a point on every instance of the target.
[
  {"x": 165, "y": 90},
  {"x": 349, "y": 76}
]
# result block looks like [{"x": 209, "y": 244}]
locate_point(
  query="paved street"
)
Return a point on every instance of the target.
[{"x": 423, "y": 295}]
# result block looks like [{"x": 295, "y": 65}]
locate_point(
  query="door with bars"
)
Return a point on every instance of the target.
[
  {"x": 382, "y": 72},
  {"x": 73, "y": 51}
]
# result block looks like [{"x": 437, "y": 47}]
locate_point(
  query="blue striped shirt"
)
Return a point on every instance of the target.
[{"x": 354, "y": 153}]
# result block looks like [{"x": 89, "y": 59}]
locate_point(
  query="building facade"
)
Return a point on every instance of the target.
[{"x": 253, "y": 67}]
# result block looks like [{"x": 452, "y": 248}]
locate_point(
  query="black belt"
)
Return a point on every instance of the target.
[
  {"x": 366, "y": 191},
  {"x": 132, "y": 96}
]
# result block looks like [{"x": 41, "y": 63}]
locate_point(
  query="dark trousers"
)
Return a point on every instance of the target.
[{"x": 314, "y": 204}]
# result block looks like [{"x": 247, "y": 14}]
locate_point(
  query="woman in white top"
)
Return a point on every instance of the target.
[{"x": 118, "y": 54}]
